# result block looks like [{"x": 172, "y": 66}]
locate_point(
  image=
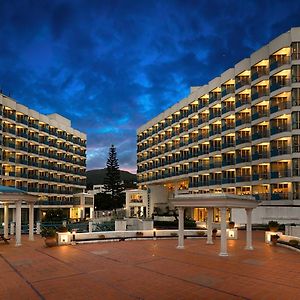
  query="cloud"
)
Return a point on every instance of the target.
[{"x": 110, "y": 66}]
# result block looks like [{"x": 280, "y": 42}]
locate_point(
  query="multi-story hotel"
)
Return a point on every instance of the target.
[
  {"x": 42, "y": 155},
  {"x": 238, "y": 134}
]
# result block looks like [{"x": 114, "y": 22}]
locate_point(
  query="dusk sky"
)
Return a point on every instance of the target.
[{"x": 110, "y": 66}]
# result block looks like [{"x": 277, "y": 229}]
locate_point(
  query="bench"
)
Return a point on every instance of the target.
[{"x": 4, "y": 239}]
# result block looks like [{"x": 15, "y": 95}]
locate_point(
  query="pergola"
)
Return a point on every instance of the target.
[
  {"x": 14, "y": 196},
  {"x": 211, "y": 201}
]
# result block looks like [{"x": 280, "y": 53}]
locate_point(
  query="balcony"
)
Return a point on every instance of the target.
[
  {"x": 242, "y": 101},
  {"x": 215, "y": 181},
  {"x": 214, "y": 97},
  {"x": 276, "y": 62},
  {"x": 228, "y": 144},
  {"x": 260, "y": 114},
  {"x": 228, "y": 90},
  {"x": 215, "y": 148},
  {"x": 228, "y": 180},
  {"x": 228, "y": 162},
  {"x": 257, "y": 74},
  {"x": 260, "y": 155},
  {"x": 281, "y": 196},
  {"x": 228, "y": 108},
  {"x": 243, "y": 139},
  {"x": 228, "y": 126},
  {"x": 245, "y": 120},
  {"x": 213, "y": 115},
  {"x": 278, "y": 129},
  {"x": 215, "y": 131},
  {"x": 242, "y": 159},
  {"x": 280, "y": 174},
  {"x": 279, "y": 84},
  {"x": 260, "y": 176},
  {"x": 257, "y": 94},
  {"x": 260, "y": 135},
  {"x": 242, "y": 82},
  {"x": 262, "y": 196},
  {"x": 280, "y": 106},
  {"x": 9, "y": 115},
  {"x": 214, "y": 165},
  {"x": 243, "y": 178},
  {"x": 275, "y": 151}
]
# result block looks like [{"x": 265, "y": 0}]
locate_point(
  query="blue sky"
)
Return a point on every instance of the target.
[{"x": 110, "y": 66}]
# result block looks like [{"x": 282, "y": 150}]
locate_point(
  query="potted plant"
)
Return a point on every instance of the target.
[
  {"x": 214, "y": 233},
  {"x": 274, "y": 239},
  {"x": 49, "y": 233},
  {"x": 231, "y": 225},
  {"x": 273, "y": 226}
]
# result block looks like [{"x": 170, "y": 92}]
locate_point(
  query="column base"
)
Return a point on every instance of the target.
[
  {"x": 18, "y": 245},
  {"x": 31, "y": 239},
  {"x": 223, "y": 254},
  {"x": 210, "y": 243},
  {"x": 180, "y": 247},
  {"x": 249, "y": 248}
]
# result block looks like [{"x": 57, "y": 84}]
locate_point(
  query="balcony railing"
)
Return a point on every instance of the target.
[
  {"x": 260, "y": 135},
  {"x": 228, "y": 180},
  {"x": 214, "y": 97},
  {"x": 260, "y": 155},
  {"x": 275, "y": 151},
  {"x": 228, "y": 90},
  {"x": 215, "y": 114},
  {"x": 280, "y": 174},
  {"x": 280, "y": 106},
  {"x": 242, "y": 101},
  {"x": 277, "y": 129},
  {"x": 228, "y": 162},
  {"x": 243, "y": 139},
  {"x": 260, "y": 114},
  {"x": 262, "y": 196},
  {"x": 280, "y": 84},
  {"x": 228, "y": 145},
  {"x": 227, "y": 108},
  {"x": 281, "y": 196},
  {"x": 243, "y": 159},
  {"x": 257, "y": 94},
  {"x": 257, "y": 74},
  {"x": 243, "y": 178},
  {"x": 242, "y": 121},
  {"x": 279, "y": 61},
  {"x": 260, "y": 176},
  {"x": 242, "y": 82}
]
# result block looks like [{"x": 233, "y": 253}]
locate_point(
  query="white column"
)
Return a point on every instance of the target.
[
  {"x": 91, "y": 227},
  {"x": 223, "y": 251},
  {"x": 249, "y": 229},
  {"x": 18, "y": 223},
  {"x": 181, "y": 228},
  {"x": 6, "y": 220},
  {"x": 210, "y": 212},
  {"x": 12, "y": 228},
  {"x": 31, "y": 222},
  {"x": 38, "y": 227}
]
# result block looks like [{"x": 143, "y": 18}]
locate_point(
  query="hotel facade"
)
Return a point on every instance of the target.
[
  {"x": 238, "y": 134},
  {"x": 44, "y": 156}
]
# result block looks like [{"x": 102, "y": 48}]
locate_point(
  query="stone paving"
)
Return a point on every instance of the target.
[{"x": 149, "y": 270}]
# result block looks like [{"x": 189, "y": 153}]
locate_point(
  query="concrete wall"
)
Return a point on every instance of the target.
[
  {"x": 264, "y": 214},
  {"x": 158, "y": 197}
]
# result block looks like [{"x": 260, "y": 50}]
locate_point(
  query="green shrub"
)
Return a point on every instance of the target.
[
  {"x": 48, "y": 232},
  {"x": 294, "y": 242}
]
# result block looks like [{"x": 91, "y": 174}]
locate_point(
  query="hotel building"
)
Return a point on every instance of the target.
[
  {"x": 238, "y": 134},
  {"x": 42, "y": 155}
]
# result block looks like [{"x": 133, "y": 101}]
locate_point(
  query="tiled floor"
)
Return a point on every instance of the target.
[{"x": 149, "y": 270}]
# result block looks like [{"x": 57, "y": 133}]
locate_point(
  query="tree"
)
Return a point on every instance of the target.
[{"x": 112, "y": 182}]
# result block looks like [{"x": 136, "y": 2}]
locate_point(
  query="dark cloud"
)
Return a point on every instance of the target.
[{"x": 110, "y": 66}]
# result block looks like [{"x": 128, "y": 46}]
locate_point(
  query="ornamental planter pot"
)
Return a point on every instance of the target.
[{"x": 51, "y": 241}]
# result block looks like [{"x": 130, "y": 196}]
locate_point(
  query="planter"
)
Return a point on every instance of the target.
[
  {"x": 231, "y": 225},
  {"x": 50, "y": 241},
  {"x": 274, "y": 239}
]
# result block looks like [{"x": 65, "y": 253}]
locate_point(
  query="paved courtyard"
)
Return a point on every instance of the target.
[{"x": 149, "y": 270}]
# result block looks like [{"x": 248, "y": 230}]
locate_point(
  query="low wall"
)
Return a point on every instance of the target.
[
  {"x": 292, "y": 230},
  {"x": 133, "y": 234}
]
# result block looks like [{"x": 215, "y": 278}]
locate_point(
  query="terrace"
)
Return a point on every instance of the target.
[{"x": 150, "y": 269}]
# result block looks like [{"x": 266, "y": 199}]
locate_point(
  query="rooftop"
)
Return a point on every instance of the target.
[{"x": 149, "y": 270}]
